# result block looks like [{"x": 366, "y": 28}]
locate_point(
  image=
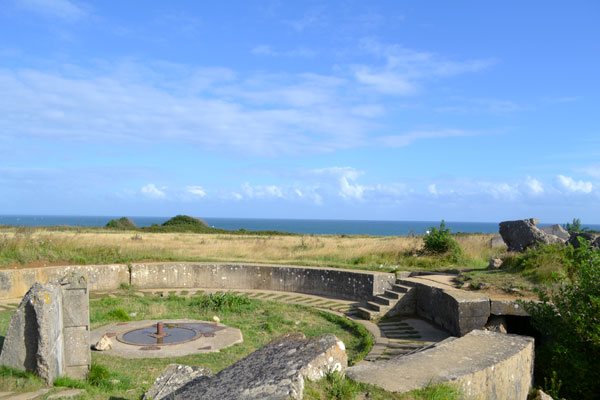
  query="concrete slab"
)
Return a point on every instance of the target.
[{"x": 487, "y": 364}]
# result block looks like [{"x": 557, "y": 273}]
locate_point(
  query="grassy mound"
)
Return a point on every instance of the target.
[{"x": 121, "y": 223}]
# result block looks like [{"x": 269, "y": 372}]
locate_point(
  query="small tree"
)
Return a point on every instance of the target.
[
  {"x": 440, "y": 241},
  {"x": 575, "y": 226}
]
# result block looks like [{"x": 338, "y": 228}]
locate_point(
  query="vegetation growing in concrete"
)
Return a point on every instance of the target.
[
  {"x": 568, "y": 354},
  {"x": 336, "y": 386}
]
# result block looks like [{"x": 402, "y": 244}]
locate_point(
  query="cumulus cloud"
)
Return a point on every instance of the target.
[
  {"x": 345, "y": 177},
  {"x": 534, "y": 186},
  {"x": 150, "y": 190},
  {"x": 262, "y": 191},
  {"x": 570, "y": 185}
]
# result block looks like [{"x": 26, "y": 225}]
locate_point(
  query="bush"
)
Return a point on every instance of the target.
[
  {"x": 185, "y": 220},
  {"x": 223, "y": 302},
  {"x": 121, "y": 223},
  {"x": 439, "y": 241},
  {"x": 568, "y": 353}
]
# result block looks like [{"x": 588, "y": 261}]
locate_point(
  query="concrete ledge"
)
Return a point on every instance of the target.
[
  {"x": 15, "y": 283},
  {"x": 455, "y": 310},
  {"x": 507, "y": 307},
  {"x": 338, "y": 283},
  {"x": 485, "y": 364}
]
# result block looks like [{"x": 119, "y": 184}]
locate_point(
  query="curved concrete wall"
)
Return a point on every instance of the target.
[{"x": 344, "y": 284}]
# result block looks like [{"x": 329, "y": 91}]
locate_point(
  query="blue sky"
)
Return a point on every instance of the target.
[{"x": 423, "y": 110}]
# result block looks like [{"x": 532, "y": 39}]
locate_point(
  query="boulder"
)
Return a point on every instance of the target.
[
  {"x": 275, "y": 371},
  {"x": 172, "y": 378},
  {"x": 540, "y": 395},
  {"x": 103, "y": 344},
  {"x": 497, "y": 242},
  {"x": 556, "y": 230},
  {"x": 522, "y": 234},
  {"x": 592, "y": 237},
  {"x": 495, "y": 263}
]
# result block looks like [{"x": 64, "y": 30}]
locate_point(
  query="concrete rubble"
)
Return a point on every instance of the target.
[
  {"x": 275, "y": 371},
  {"x": 48, "y": 334},
  {"x": 172, "y": 378},
  {"x": 521, "y": 234}
]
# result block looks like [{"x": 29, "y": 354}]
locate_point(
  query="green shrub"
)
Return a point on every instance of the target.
[
  {"x": 568, "y": 353},
  {"x": 121, "y": 223},
  {"x": 117, "y": 314},
  {"x": 223, "y": 302},
  {"x": 439, "y": 241},
  {"x": 185, "y": 220}
]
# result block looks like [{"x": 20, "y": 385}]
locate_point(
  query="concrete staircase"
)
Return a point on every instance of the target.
[{"x": 382, "y": 304}]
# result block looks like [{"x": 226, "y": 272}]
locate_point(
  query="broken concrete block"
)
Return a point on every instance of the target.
[{"x": 172, "y": 378}]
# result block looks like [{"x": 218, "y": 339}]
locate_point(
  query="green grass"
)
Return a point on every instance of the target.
[
  {"x": 259, "y": 321},
  {"x": 335, "y": 386}
]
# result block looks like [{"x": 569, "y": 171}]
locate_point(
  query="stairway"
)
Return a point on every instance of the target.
[{"x": 381, "y": 304}]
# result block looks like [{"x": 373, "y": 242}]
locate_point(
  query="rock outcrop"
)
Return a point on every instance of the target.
[
  {"x": 497, "y": 242},
  {"x": 521, "y": 234},
  {"x": 275, "y": 371},
  {"x": 593, "y": 238},
  {"x": 556, "y": 230}
]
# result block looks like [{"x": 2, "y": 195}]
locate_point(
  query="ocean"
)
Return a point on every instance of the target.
[{"x": 307, "y": 226}]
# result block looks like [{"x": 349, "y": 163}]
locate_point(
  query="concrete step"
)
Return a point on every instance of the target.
[
  {"x": 374, "y": 306},
  {"x": 365, "y": 313},
  {"x": 405, "y": 283},
  {"x": 392, "y": 295},
  {"x": 381, "y": 300},
  {"x": 400, "y": 288}
]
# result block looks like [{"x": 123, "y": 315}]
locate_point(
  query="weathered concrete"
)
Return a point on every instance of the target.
[
  {"x": 507, "y": 307},
  {"x": 497, "y": 242},
  {"x": 485, "y": 364},
  {"x": 556, "y": 230},
  {"x": 457, "y": 311},
  {"x": 339, "y": 283},
  {"x": 275, "y": 371},
  {"x": 225, "y": 336},
  {"x": 49, "y": 332},
  {"x": 522, "y": 234},
  {"x": 172, "y": 378},
  {"x": 593, "y": 238},
  {"x": 15, "y": 283}
]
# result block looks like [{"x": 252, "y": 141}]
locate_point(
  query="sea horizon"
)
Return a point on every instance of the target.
[{"x": 292, "y": 225}]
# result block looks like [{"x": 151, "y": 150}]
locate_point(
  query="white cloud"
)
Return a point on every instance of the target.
[
  {"x": 196, "y": 190},
  {"x": 63, "y": 9},
  {"x": 534, "y": 186},
  {"x": 405, "y": 69},
  {"x": 592, "y": 170},
  {"x": 262, "y": 191},
  {"x": 570, "y": 185},
  {"x": 345, "y": 177},
  {"x": 432, "y": 189},
  {"x": 150, "y": 190}
]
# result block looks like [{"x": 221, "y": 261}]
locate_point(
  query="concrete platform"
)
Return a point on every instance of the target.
[
  {"x": 491, "y": 365},
  {"x": 225, "y": 337}
]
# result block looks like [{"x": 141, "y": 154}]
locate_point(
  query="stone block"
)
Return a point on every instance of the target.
[
  {"x": 507, "y": 307},
  {"x": 522, "y": 234},
  {"x": 76, "y": 310},
  {"x": 77, "y": 341},
  {"x": 77, "y": 372}
]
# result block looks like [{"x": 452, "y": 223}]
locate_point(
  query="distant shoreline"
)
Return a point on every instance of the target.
[{"x": 302, "y": 226}]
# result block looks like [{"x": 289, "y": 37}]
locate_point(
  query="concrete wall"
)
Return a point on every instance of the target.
[
  {"x": 344, "y": 284},
  {"x": 457, "y": 311},
  {"x": 16, "y": 282},
  {"x": 487, "y": 365}
]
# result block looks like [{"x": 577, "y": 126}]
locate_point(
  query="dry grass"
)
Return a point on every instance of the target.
[{"x": 332, "y": 250}]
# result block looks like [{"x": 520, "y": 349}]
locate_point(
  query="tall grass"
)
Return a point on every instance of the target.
[{"x": 43, "y": 247}]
